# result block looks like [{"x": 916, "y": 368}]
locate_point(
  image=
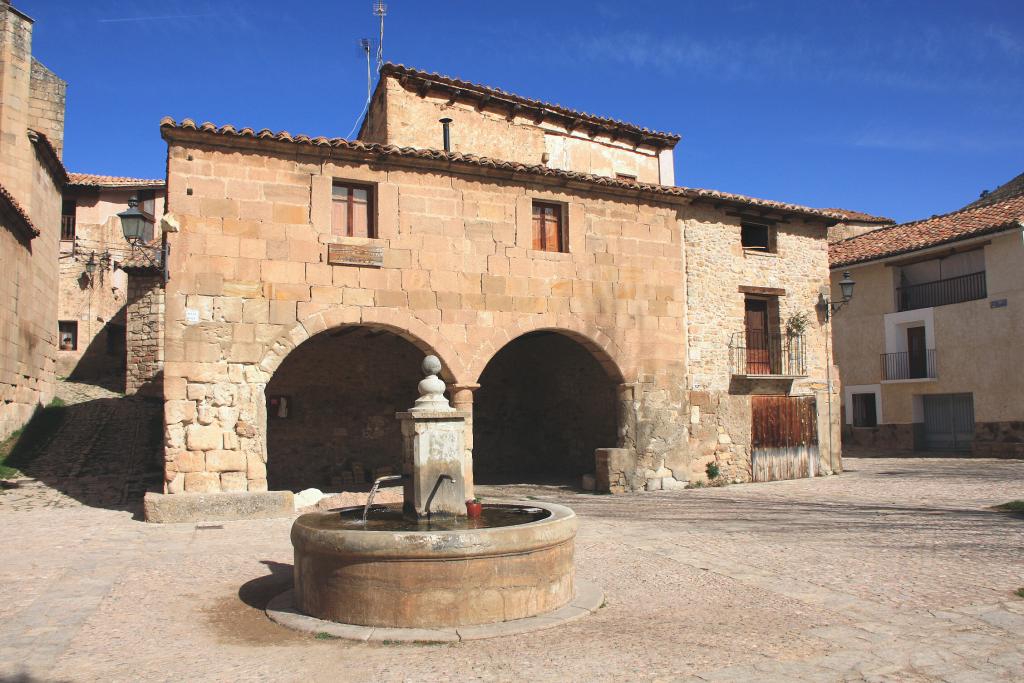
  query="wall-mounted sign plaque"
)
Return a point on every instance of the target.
[
  {"x": 997, "y": 303},
  {"x": 355, "y": 255}
]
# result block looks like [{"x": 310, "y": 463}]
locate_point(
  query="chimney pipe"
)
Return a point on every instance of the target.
[{"x": 446, "y": 133}]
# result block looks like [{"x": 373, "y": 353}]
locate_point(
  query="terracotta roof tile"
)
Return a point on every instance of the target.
[
  {"x": 860, "y": 216},
  {"x": 934, "y": 231},
  {"x": 22, "y": 222},
  {"x": 477, "y": 90},
  {"x": 169, "y": 127},
  {"x": 110, "y": 181}
]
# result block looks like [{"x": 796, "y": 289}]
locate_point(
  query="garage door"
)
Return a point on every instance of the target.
[{"x": 948, "y": 422}]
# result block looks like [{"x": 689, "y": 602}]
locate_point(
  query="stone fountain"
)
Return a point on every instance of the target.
[{"x": 426, "y": 565}]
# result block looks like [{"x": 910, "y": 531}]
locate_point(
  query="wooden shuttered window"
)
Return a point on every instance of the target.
[
  {"x": 352, "y": 210},
  {"x": 548, "y": 227}
]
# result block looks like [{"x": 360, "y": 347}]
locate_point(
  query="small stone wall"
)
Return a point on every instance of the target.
[
  {"x": 144, "y": 313},
  {"x": 881, "y": 437},
  {"x": 999, "y": 439}
]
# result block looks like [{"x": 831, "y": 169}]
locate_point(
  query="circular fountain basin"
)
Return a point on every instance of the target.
[{"x": 461, "y": 574}]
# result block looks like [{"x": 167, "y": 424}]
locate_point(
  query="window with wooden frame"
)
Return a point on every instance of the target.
[
  {"x": 352, "y": 210},
  {"x": 68, "y": 334},
  {"x": 757, "y": 237},
  {"x": 68, "y": 213},
  {"x": 548, "y": 226}
]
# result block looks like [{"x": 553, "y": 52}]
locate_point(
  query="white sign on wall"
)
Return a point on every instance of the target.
[{"x": 191, "y": 315}]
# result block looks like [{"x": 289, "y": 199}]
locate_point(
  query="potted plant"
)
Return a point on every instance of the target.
[
  {"x": 474, "y": 508},
  {"x": 796, "y": 325}
]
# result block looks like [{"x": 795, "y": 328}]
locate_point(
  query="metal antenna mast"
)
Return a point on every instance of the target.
[
  {"x": 364, "y": 44},
  {"x": 381, "y": 10}
]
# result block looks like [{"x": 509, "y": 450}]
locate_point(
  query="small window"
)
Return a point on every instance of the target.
[
  {"x": 68, "y": 332},
  {"x": 352, "y": 212},
  {"x": 68, "y": 212},
  {"x": 757, "y": 237},
  {"x": 626, "y": 176},
  {"x": 864, "y": 411},
  {"x": 548, "y": 227}
]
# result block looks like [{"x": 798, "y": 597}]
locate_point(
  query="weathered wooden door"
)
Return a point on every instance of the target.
[
  {"x": 784, "y": 437},
  {"x": 758, "y": 356}
]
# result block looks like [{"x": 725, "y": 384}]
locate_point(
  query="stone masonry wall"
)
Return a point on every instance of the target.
[
  {"x": 716, "y": 267},
  {"x": 144, "y": 313},
  {"x": 413, "y": 120},
  {"x": 99, "y": 305},
  {"x": 458, "y": 279},
  {"x": 46, "y": 104},
  {"x": 28, "y": 267}
]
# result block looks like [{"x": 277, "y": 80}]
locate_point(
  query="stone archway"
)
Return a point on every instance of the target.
[
  {"x": 547, "y": 400},
  {"x": 331, "y": 404}
]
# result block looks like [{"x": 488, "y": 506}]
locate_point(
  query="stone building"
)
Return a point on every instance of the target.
[
  {"x": 31, "y": 177},
  {"x": 93, "y": 284},
  {"x": 929, "y": 348},
  {"x": 855, "y": 223},
  {"x": 578, "y": 299}
]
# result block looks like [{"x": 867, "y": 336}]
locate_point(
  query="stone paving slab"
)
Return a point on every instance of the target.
[{"x": 897, "y": 570}]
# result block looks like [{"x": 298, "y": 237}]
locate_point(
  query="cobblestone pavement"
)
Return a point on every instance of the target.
[
  {"x": 105, "y": 453},
  {"x": 897, "y": 570}
]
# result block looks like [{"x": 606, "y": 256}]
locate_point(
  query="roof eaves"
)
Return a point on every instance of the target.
[
  {"x": 20, "y": 219},
  {"x": 170, "y": 129},
  {"x": 984, "y": 232}
]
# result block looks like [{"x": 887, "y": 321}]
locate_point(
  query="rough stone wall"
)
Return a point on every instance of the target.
[
  {"x": 842, "y": 231},
  {"x": 716, "y": 267},
  {"x": 46, "y": 104},
  {"x": 98, "y": 305},
  {"x": 144, "y": 312},
  {"x": 28, "y": 268},
  {"x": 458, "y": 279},
  {"x": 999, "y": 439},
  {"x": 343, "y": 391},
  {"x": 412, "y": 121}
]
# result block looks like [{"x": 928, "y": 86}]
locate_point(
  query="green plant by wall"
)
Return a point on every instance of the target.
[
  {"x": 712, "y": 470},
  {"x": 797, "y": 324}
]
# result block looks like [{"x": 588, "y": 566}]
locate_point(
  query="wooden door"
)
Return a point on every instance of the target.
[
  {"x": 917, "y": 355},
  {"x": 784, "y": 437},
  {"x": 758, "y": 357}
]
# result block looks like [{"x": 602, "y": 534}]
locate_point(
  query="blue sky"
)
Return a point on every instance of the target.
[{"x": 897, "y": 108}]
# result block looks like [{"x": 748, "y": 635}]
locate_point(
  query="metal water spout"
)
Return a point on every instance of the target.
[{"x": 373, "y": 492}]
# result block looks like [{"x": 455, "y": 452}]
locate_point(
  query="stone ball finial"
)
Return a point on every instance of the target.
[
  {"x": 431, "y": 388},
  {"x": 431, "y": 365}
]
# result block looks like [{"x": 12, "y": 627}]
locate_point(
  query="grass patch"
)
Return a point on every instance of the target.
[
  {"x": 1012, "y": 506},
  {"x": 1019, "y": 593},
  {"x": 324, "y": 635},
  {"x": 24, "y": 445}
]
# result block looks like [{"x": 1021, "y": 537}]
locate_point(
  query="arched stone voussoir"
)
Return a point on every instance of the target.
[
  {"x": 400, "y": 322},
  {"x": 611, "y": 357}
]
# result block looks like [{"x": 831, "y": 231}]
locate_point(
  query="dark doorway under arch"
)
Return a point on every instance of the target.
[
  {"x": 342, "y": 390},
  {"x": 544, "y": 404}
]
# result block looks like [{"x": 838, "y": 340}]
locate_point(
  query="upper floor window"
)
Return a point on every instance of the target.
[
  {"x": 626, "y": 176},
  {"x": 68, "y": 212},
  {"x": 548, "y": 227},
  {"x": 352, "y": 210},
  {"x": 757, "y": 237}
]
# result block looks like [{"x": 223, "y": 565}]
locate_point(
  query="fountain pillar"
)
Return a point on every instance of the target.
[
  {"x": 433, "y": 451},
  {"x": 462, "y": 399}
]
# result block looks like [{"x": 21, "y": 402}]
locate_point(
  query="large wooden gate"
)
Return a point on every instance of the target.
[{"x": 784, "y": 437}]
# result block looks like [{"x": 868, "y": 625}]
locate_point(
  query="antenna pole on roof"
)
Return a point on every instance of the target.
[
  {"x": 380, "y": 10},
  {"x": 364, "y": 44}
]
